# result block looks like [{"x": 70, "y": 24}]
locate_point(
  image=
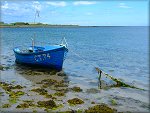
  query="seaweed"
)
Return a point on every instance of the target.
[
  {"x": 17, "y": 87},
  {"x": 23, "y": 105},
  {"x": 47, "y": 110},
  {"x": 6, "y": 106},
  {"x": 61, "y": 74},
  {"x": 61, "y": 90},
  {"x": 45, "y": 85},
  {"x": 1, "y": 67},
  {"x": 3, "y": 84},
  {"x": 60, "y": 84},
  {"x": 29, "y": 102},
  {"x": 34, "y": 111},
  {"x": 47, "y": 104},
  {"x": 13, "y": 100},
  {"x": 72, "y": 111},
  {"x": 30, "y": 72},
  {"x": 100, "y": 109},
  {"x": 92, "y": 102},
  {"x": 119, "y": 82},
  {"x": 17, "y": 94},
  {"x": 49, "y": 81},
  {"x": 9, "y": 87},
  {"x": 26, "y": 104},
  {"x": 75, "y": 101},
  {"x": 53, "y": 72},
  {"x": 1, "y": 93},
  {"x": 59, "y": 94},
  {"x": 41, "y": 91},
  {"x": 48, "y": 96},
  {"x": 113, "y": 102},
  {"x": 76, "y": 89}
]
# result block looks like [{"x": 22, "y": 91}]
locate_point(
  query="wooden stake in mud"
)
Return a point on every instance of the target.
[
  {"x": 99, "y": 78},
  {"x": 119, "y": 82}
]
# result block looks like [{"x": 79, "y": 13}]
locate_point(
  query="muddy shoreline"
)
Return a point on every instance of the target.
[
  {"x": 52, "y": 91},
  {"x": 49, "y": 92}
]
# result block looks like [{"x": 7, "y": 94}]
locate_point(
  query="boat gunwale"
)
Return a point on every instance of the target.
[{"x": 41, "y": 52}]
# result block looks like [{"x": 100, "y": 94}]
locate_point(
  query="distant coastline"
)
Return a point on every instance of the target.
[
  {"x": 50, "y": 26},
  {"x": 25, "y": 24},
  {"x": 16, "y": 26}
]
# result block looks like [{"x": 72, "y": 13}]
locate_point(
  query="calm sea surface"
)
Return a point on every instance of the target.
[{"x": 122, "y": 52}]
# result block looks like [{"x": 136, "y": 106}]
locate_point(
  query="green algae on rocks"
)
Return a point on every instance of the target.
[
  {"x": 92, "y": 102},
  {"x": 17, "y": 94},
  {"x": 76, "y": 89},
  {"x": 9, "y": 87},
  {"x": 75, "y": 101},
  {"x": 59, "y": 94},
  {"x": 100, "y": 109},
  {"x": 29, "y": 102},
  {"x": 6, "y": 106},
  {"x": 1, "y": 67},
  {"x": 47, "y": 104},
  {"x": 24, "y": 105},
  {"x": 61, "y": 74},
  {"x": 49, "y": 81},
  {"x": 60, "y": 84},
  {"x": 48, "y": 96},
  {"x": 13, "y": 100},
  {"x": 41, "y": 91},
  {"x": 113, "y": 102}
]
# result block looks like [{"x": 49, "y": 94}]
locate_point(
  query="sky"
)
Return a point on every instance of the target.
[{"x": 75, "y": 12}]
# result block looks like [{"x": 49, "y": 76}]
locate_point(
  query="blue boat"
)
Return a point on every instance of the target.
[{"x": 46, "y": 56}]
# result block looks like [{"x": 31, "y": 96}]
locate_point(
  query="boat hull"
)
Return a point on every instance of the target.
[{"x": 51, "y": 58}]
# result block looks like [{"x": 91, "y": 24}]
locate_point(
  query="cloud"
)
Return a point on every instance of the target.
[
  {"x": 123, "y": 5},
  {"x": 83, "y": 3},
  {"x": 58, "y": 4},
  {"x": 15, "y": 9},
  {"x": 37, "y": 5},
  {"x": 8, "y": 6},
  {"x": 5, "y": 5}
]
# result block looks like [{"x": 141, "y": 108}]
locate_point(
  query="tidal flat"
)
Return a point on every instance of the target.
[
  {"x": 120, "y": 51},
  {"x": 30, "y": 89},
  {"x": 44, "y": 91}
]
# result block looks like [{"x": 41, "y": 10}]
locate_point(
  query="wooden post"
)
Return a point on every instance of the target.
[{"x": 99, "y": 77}]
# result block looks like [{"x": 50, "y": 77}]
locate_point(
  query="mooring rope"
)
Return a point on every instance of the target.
[{"x": 100, "y": 72}]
